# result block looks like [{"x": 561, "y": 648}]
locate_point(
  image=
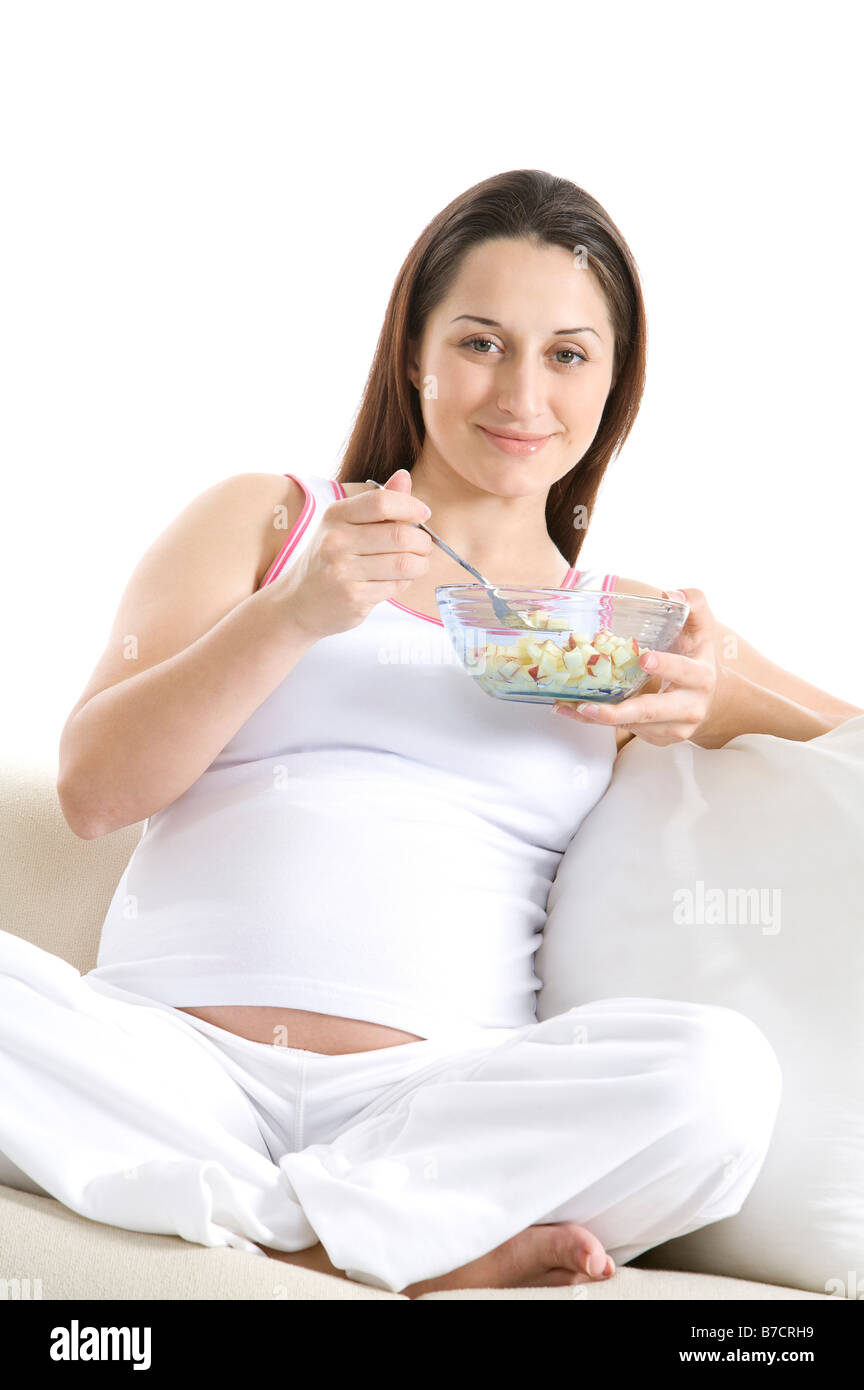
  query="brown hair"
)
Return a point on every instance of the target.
[{"x": 388, "y": 431}]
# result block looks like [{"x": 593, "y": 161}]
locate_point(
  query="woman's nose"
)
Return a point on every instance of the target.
[{"x": 521, "y": 392}]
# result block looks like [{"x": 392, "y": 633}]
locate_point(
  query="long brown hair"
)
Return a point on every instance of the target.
[{"x": 388, "y": 431}]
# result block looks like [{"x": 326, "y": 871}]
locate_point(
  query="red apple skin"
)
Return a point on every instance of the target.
[{"x": 533, "y": 672}]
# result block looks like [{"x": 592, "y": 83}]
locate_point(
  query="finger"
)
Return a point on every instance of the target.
[
  {"x": 400, "y": 481},
  {"x": 686, "y": 671},
  {"x": 676, "y": 708},
  {"x": 696, "y": 637},
  {"x": 685, "y": 674},
  {"x": 387, "y": 568},
  {"x": 379, "y": 537},
  {"x": 390, "y": 503}
]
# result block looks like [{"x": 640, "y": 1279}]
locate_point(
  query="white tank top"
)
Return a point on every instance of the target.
[{"x": 377, "y": 841}]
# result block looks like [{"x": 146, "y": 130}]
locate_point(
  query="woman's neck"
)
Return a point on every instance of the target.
[{"x": 498, "y": 535}]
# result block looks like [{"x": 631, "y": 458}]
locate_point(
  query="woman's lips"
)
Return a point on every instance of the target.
[{"x": 515, "y": 446}]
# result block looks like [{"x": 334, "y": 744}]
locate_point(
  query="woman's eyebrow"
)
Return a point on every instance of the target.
[{"x": 490, "y": 323}]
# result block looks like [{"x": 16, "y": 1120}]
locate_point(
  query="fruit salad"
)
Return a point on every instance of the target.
[{"x": 576, "y": 663}]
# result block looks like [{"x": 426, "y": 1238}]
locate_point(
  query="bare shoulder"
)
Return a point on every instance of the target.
[
  {"x": 269, "y": 504},
  {"x": 246, "y": 518},
  {"x": 636, "y": 588},
  {"x": 209, "y": 558},
  {"x": 354, "y": 489}
]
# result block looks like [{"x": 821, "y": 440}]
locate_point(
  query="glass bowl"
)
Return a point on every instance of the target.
[{"x": 563, "y": 644}]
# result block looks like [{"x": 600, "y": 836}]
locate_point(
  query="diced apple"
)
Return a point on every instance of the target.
[
  {"x": 574, "y": 662},
  {"x": 520, "y": 680},
  {"x": 551, "y": 649},
  {"x": 600, "y": 666},
  {"x": 549, "y": 664},
  {"x": 508, "y": 669},
  {"x": 526, "y": 649},
  {"x": 625, "y": 653}
]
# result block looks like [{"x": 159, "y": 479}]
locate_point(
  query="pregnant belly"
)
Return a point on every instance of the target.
[{"x": 302, "y": 1029}]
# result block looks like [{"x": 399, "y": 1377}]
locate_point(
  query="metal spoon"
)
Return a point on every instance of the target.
[{"x": 502, "y": 611}]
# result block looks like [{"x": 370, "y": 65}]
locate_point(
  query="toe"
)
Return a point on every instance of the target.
[{"x": 582, "y": 1250}]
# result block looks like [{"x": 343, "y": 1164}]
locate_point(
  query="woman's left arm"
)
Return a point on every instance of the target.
[
  {"x": 737, "y": 655},
  {"x": 742, "y": 706},
  {"x": 714, "y": 686}
]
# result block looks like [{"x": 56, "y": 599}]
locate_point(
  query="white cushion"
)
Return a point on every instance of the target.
[{"x": 785, "y": 819}]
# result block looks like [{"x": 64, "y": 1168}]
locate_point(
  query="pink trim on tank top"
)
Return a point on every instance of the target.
[
  {"x": 306, "y": 514},
  {"x": 606, "y": 614}
]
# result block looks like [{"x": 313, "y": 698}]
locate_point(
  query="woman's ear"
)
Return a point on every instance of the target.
[{"x": 412, "y": 365}]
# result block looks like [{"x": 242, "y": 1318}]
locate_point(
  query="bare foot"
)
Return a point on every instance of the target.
[
  {"x": 313, "y": 1257},
  {"x": 538, "y": 1257}
]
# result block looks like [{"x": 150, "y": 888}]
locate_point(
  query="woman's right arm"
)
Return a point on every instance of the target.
[{"x": 195, "y": 648}]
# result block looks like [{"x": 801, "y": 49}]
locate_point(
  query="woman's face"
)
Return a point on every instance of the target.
[{"x": 541, "y": 364}]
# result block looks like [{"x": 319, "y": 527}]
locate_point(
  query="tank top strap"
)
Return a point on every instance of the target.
[
  {"x": 318, "y": 493},
  {"x": 590, "y": 579},
  {"x": 594, "y": 580}
]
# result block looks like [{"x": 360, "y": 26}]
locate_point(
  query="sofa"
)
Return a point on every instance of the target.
[{"x": 54, "y": 891}]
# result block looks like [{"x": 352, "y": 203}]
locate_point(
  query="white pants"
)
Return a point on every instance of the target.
[{"x": 642, "y": 1119}]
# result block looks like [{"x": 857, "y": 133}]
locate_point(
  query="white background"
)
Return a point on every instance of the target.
[{"x": 205, "y": 207}]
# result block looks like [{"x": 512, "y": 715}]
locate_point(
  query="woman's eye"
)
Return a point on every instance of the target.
[{"x": 472, "y": 343}]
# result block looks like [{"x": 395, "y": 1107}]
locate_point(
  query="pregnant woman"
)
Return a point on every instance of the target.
[{"x": 311, "y": 1029}]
